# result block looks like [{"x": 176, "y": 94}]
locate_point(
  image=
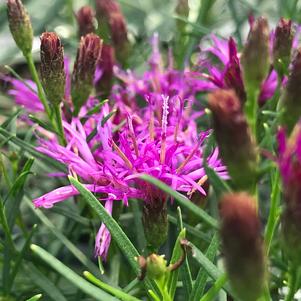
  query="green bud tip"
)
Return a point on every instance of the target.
[{"x": 20, "y": 25}]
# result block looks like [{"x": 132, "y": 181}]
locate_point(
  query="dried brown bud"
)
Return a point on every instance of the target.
[
  {"x": 85, "y": 20},
  {"x": 290, "y": 100},
  {"x": 234, "y": 138},
  {"x": 20, "y": 25},
  {"x": 242, "y": 245},
  {"x": 105, "y": 66},
  {"x": 52, "y": 67},
  {"x": 255, "y": 57},
  {"x": 113, "y": 27},
  {"x": 282, "y": 45},
  {"x": 87, "y": 58}
]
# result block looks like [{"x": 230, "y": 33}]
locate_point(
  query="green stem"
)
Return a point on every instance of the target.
[
  {"x": 214, "y": 290},
  {"x": 59, "y": 124},
  {"x": 273, "y": 215},
  {"x": 251, "y": 107},
  {"x": 292, "y": 284},
  {"x": 35, "y": 77}
]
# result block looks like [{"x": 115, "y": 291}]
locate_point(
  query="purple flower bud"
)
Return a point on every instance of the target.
[
  {"x": 290, "y": 99},
  {"x": 255, "y": 57},
  {"x": 231, "y": 130},
  {"x": 52, "y": 67},
  {"x": 242, "y": 245},
  {"x": 85, "y": 20},
  {"x": 232, "y": 74},
  {"x": 282, "y": 45},
  {"x": 155, "y": 223},
  {"x": 290, "y": 169},
  {"x": 20, "y": 25},
  {"x": 112, "y": 27},
  {"x": 87, "y": 57}
]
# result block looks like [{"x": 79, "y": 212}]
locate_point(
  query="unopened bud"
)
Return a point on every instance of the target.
[
  {"x": 52, "y": 67},
  {"x": 20, "y": 25},
  {"x": 113, "y": 26},
  {"x": 155, "y": 223},
  {"x": 290, "y": 100},
  {"x": 242, "y": 245},
  {"x": 290, "y": 169},
  {"x": 182, "y": 10},
  {"x": 105, "y": 68},
  {"x": 85, "y": 20},
  {"x": 156, "y": 266},
  {"x": 233, "y": 75},
  {"x": 255, "y": 57},
  {"x": 87, "y": 57},
  {"x": 282, "y": 45},
  {"x": 234, "y": 138}
]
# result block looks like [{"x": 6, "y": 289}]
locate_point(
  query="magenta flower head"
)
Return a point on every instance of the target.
[
  {"x": 52, "y": 67},
  {"x": 85, "y": 20},
  {"x": 242, "y": 245},
  {"x": 20, "y": 25},
  {"x": 282, "y": 46},
  {"x": 88, "y": 54},
  {"x": 290, "y": 169}
]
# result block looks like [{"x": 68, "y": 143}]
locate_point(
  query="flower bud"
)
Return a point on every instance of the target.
[
  {"x": 290, "y": 100},
  {"x": 290, "y": 169},
  {"x": 242, "y": 245},
  {"x": 182, "y": 10},
  {"x": 52, "y": 67},
  {"x": 234, "y": 138},
  {"x": 85, "y": 20},
  {"x": 156, "y": 266},
  {"x": 255, "y": 57},
  {"x": 112, "y": 25},
  {"x": 282, "y": 45},
  {"x": 155, "y": 224},
  {"x": 84, "y": 68},
  {"x": 20, "y": 25},
  {"x": 105, "y": 67},
  {"x": 232, "y": 75}
]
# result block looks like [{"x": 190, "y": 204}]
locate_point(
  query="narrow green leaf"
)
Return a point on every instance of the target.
[
  {"x": 20, "y": 256},
  {"x": 94, "y": 110},
  {"x": 11, "y": 118},
  {"x": 107, "y": 117},
  {"x": 214, "y": 290},
  {"x": 211, "y": 269},
  {"x": 176, "y": 254},
  {"x": 65, "y": 241},
  {"x": 112, "y": 290},
  {"x": 45, "y": 125},
  {"x": 182, "y": 200},
  {"x": 29, "y": 149},
  {"x": 35, "y": 298},
  {"x": 219, "y": 185},
  {"x": 75, "y": 279},
  {"x": 43, "y": 282},
  {"x": 123, "y": 242},
  {"x": 200, "y": 282}
]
